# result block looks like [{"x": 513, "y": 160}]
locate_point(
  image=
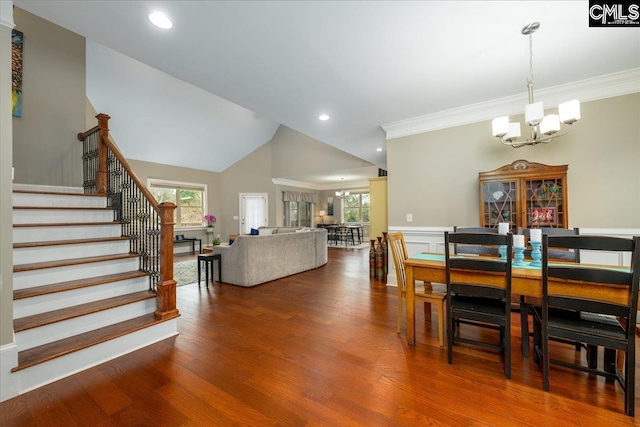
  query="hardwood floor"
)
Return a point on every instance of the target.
[{"x": 317, "y": 348}]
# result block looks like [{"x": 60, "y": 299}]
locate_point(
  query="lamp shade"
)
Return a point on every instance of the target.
[
  {"x": 514, "y": 132},
  {"x": 534, "y": 113},
  {"x": 550, "y": 124},
  {"x": 322, "y": 213},
  {"x": 500, "y": 126},
  {"x": 569, "y": 111}
]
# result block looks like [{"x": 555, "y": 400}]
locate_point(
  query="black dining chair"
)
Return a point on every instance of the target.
[
  {"x": 484, "y": 299},
  {"x": 475, "y": 249},
  {"x": 603, "y": 321},
  {"x": 526, "y": 303}
]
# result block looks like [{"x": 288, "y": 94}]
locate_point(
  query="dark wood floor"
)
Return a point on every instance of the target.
[{"x": 317, "y": 348}]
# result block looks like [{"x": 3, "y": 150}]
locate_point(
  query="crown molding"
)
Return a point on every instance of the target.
[
  {"x": 6, "y": 14},
  {"x": 353, "y": 185},
  {"x": 608, "y": 86},
  {"x": 292, "y": 183}
]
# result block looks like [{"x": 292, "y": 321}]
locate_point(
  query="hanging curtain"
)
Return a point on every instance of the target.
[{"x": 295, "y": 196}]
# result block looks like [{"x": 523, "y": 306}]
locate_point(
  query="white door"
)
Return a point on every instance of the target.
[{"x": 253, "y": 211}]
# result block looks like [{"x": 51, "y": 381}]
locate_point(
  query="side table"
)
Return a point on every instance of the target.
[{"x": 208, "y": 259}]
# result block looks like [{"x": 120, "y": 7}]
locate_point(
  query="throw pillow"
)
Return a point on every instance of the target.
[
  {"x": 254, "y": 232},
  {"x": 265, "y": 232}
]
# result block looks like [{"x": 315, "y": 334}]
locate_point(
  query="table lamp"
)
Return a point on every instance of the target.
[{"x": 321, "y": 214}]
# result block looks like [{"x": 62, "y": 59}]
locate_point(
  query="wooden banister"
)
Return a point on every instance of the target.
[
  {"x": 143, "y": 188},
  {"x": 149, "y": 225}
]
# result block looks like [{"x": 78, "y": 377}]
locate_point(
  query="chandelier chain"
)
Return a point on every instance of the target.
[{"x": 531, "y": 57}]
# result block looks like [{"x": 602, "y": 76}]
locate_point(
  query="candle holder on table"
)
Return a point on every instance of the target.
[
  {"x": 536, "y": 255},
  {"x": 519, "y": 257}
]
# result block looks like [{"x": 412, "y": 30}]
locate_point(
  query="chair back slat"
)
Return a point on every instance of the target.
[
  {"x": 591, "y": 275},
  {"x": 474, "y": 249},
  {"x": 562, "y": 255},
  {"x": 579, "y": 304},
  {"x": 400, "y": 254},
  {"x": 594, "y": 243},
  {"x": 478, "y": 291}
]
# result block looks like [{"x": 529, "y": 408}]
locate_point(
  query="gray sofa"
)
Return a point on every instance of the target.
[{"x": 252, "y": 260}]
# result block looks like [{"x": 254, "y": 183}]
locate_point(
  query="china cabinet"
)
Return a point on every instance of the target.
[{"x": 524, "y": 194}]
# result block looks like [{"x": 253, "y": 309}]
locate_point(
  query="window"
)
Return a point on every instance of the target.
[
  {"x": 356, "y": 208},
  {"x": 298, "y": 214},
  {"x": 189, "y": 199}
]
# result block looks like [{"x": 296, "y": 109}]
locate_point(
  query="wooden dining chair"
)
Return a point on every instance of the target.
[
  {"x": 527, "y": 303},
  {"x": 428, "y": 295},
  {"x": 605, "y": 320},
  {"x": 483, "y": 298}
]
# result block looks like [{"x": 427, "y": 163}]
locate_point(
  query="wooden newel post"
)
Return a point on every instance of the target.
[
  {"x": 166, "y": 287},
  {"x": 101, "y": 177}
]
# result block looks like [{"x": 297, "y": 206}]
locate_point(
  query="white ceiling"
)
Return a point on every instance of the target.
[{"x": 231, "y": 72}]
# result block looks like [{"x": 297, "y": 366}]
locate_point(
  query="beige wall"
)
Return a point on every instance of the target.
[
  {"x": 252, "y": 174},
  {"x": 434, "y": 175},
  {"x": 297, "y": 154},
  {"x": 6, "y": 218},
  {"x": 146, "y": 170},
  {"x": 45, "y": 147}
]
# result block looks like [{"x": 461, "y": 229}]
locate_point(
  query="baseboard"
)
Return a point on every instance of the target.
[{"x": 9, "y": 382}]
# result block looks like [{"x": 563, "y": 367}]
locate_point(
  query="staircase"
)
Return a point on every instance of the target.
[{"x": 80, "y": 298}]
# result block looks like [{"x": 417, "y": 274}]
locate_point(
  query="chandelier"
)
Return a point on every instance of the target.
[
  {"x": 340, "y": 194},
  {"x": 542, "y": 129}
]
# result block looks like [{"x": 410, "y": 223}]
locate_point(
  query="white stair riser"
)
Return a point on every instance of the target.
[
  {"x": 30, "y": 199},
  {"x": 61, "y": 367},
  {"x": 61, "y": 216},
  {"x": 48, "y": 188},
  {"x": 43, "y": 303},
  {"x": 59, "y": 252},
  {"x": 62, "y": 232},
  {"x": 78, "y": 325},
  {"x": 46, "y": 276}
]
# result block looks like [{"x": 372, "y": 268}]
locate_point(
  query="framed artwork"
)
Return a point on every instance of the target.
[
  {"x": 330, "y": 206},
  {"x": 16, "y": 73}
]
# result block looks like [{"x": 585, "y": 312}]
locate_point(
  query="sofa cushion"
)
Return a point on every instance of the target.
[{"x": 265, "y": 231}]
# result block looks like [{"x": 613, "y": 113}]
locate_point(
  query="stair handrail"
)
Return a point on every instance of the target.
[{"x": 105, "y": 173}]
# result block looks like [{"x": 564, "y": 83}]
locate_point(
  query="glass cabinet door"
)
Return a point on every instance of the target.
[
  {"x": 499, "y": 199},
  {"x": 544, "y": 202}
]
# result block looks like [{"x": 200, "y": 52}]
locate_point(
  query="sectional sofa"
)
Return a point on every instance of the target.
[{"x": 275, "y": 253}]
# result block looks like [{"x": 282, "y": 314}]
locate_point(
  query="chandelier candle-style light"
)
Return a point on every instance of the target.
[
  {"x": 542, "y": 128},
  {"x": 340, "y": 194}
]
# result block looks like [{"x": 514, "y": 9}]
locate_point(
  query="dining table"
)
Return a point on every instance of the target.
[{"x": 525, "y": 280}]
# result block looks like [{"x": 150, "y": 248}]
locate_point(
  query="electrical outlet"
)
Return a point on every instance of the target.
[{"x": 409, "y": 217}]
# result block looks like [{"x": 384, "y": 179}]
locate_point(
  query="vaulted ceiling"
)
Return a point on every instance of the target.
[{"x": 229, "y": 73}]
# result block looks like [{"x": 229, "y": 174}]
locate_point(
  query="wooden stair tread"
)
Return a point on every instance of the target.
[
  {"x": 75, "y": 284},
  {"x": 46, "y": 352},
  {"x": 57, "y": 193},
  {"x": 58, "y": 224},
  {"x": 41, "y": 319},
  {"x": 69, "y": 208},
  {"x": 68, "y": 242},
  {"x": 74, "y": 261}
]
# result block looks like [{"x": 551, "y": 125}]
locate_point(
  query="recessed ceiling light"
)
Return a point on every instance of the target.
[
  {"x": 378, "y": 149},
  {"x": 324, "y": 117},
  {"x": 160, "y": 20}
]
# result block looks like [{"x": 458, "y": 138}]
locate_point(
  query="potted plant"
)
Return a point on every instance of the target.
[{"x": 210, "y": 221}]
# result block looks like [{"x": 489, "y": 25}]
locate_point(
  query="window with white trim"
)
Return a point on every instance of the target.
[
  {"x": 356, "y": 207},
  {"x": 189, "y": 198}
]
